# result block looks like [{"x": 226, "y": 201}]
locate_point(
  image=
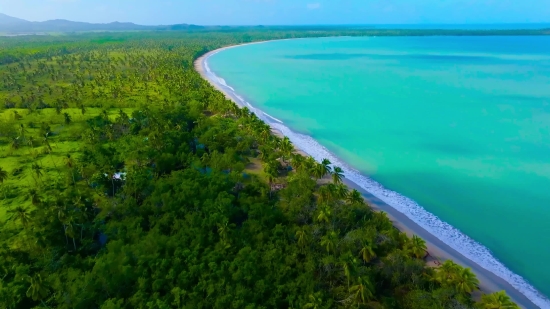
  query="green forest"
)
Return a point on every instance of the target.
[{"x": 128, "y": 181}]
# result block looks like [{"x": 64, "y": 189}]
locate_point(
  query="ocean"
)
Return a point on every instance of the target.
[{"x": 454, "y": 132}]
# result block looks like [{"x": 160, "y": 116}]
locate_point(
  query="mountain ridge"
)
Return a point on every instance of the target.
[
  {"x": 6, "y": 20},
  {"x": 14, "y": 25}
]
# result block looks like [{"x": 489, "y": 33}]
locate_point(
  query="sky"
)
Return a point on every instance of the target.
[{"x": 283, "y": 12}]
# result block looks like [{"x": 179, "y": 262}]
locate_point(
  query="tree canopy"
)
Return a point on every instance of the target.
[{"x": 129, "y": 182}]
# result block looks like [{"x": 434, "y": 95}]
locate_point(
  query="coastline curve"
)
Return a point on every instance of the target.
[{"x": 474, "y": 252}]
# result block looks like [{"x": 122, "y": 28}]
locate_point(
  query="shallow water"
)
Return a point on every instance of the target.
[{"x": 460, "y": 125}]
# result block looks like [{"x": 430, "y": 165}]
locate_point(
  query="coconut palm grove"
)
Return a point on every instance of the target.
[{"x": 128, "y": 181}]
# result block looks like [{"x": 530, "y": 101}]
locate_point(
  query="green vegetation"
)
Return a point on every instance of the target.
[{"x": 127, "y": 181}]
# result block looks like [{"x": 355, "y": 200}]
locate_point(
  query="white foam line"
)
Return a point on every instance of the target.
[
  {"x": 268, "y": 115},
  {"x": 448, "y": 234}
]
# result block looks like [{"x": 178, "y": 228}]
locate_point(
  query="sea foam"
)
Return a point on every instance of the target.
[{"x": 448, "y": 234}]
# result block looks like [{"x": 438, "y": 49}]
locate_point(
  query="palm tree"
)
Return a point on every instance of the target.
[
  {"x": 324, "y": 214},
  {"x": 417, "y": 247},
  {"x": 362, "y": 291},
  {"x": 67, "y": 118},
  {"x": 497, "y": 300},
  {"x": 123, "y": 117},
  {"x": 465, "y": 281},
  {"x": 3, "y": 176},
  {"x": 297, "y": 161},
  {"x": 367, "y": 252},
  {"x": 82, "y": 109},
  {"x": 35, "y": 197},
  {"x": 22, "y": 130},
  {"x": 264, "y": 153},
  {"x": 37, "y": 290},
  {"x": 286, "y": 148},
  {"x": 70, "y": 163},
  {"x": 63, "y": 217},
  {"x": 319, "y": 171},
  {"x": 22, "y": 215},
  {"x": 340, "y": 190},
  {"x": 315, "y": 301},
  {"x": 37, "y": 169},
  {"x": 302, "y": 236},
  {"x": 224, "y": 229},
  {"x": 348, "y": 264},
  {"x": 83, "y": 216},
  {"x": 329, "y": 241},
  {"x": 15, "y": 143},
  {"x": 326, "y": 194},
  {"x": 105, "y": 115},
  {"x": 47, "y": 142},
  {"x": 446, "y": 272},
  {"x": 326, "y": 165},
  {"x": 310, "y": 164},
  {"x": 355, "y": 197},
  {"x": 30, "y": 141},
  {"x": 271, "y": 173},
  {"x": 337, "y": 175},
  {"x": 205, "y": 160},
  {"x": 69, "y": 231},
  {"x": 265, "y": 134},
  {"x": 58, "y": 108}
]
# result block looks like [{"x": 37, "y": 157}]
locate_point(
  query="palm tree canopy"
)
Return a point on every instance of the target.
[
  {"x": 314, "y": 301},
  {"x": 341, "y": 191},
  {"x": 417, "y": 247},
  {"x": 465, "y": 281},
  {"x": 22, "y": 215},
  {"x": 355, "y": 197},
  {"x": 329, "y": 241},
  {"x": 37, "y": 289},
  {"x": 446, "y": 272},
  {"x": 326, "y": 166},
  {"x": 367, "y": 252},
  {"x": 363, "y": 291},
  {"x": 497, "y": 300},
  {"x": 324, "y": 214},
  {"x": 337, "y": 175},
  {"x": 3, "y": 175},
  {"x": 37, "y": 169},
  {"x": 302, "y": 236}
]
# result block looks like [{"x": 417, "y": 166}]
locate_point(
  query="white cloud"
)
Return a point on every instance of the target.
[{"x": 313, "y": 6}]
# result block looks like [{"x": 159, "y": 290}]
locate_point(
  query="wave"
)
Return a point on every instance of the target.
[
  {"x": 448, "y": 234},
  {"x": 218, "y": 80},
  {"x": 268, "y": 115}
]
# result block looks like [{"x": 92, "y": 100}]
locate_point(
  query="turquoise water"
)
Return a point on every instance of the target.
[{"x": 460, "y": 125}]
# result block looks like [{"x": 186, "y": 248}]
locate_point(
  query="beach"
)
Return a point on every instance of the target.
[{"x": 438, "y": 250}]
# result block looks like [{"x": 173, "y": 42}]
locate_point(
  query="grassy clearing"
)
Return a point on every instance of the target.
[{"x": 64, "y": 139}]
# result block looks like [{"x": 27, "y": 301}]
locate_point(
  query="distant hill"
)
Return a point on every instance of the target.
[
  {"x": 13, "y": 25},
  {"x": 8, "y": 20}
]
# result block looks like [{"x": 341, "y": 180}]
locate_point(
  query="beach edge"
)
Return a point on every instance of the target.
[{"x": 489, "y": 282}]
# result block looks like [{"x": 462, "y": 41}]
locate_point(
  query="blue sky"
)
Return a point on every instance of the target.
[{"x": 287, "y": 12}]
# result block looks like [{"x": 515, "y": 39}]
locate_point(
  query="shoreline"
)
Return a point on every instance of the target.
[{"x": 438, "y": 250}]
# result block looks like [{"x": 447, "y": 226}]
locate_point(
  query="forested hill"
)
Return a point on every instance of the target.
[
  {"x": 127, "y": 181},
  {"x": 12, "y": 25}
]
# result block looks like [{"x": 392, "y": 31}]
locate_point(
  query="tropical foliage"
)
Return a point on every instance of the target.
[{"x": 129, "y": 182}]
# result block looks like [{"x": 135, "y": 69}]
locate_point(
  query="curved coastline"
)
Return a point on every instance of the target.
[{"x": 406, "y": 214}]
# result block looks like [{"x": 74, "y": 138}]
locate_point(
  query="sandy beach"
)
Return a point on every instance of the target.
[{"x": 438, "y": 250}]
